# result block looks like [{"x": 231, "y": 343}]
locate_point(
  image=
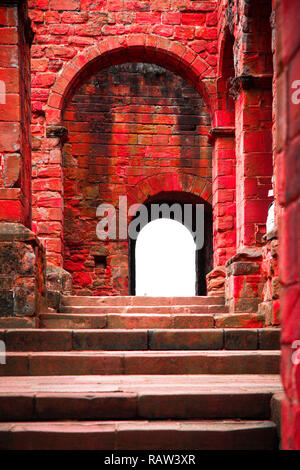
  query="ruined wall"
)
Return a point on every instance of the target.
[
  {"x": 288, "y": 178},
  {"x": 245, "y": 123},
  {"x": 15, "y": 114},
  {"x": 125, "y": 124},
  {"x": 22, "y": 256},
  {"x": 63, "y": 30}
]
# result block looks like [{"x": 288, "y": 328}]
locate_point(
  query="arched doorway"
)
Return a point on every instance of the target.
[
  {"x": 165, "y": 260},
  {"x": 202, "y": 254}
]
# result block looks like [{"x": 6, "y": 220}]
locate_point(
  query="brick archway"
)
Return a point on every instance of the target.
[
  {"x": 166, "y": 182},
  {"x": 174, "y": 56},
  {"x": 175, "y": 188},
  {"x": 134, "y": 47}
]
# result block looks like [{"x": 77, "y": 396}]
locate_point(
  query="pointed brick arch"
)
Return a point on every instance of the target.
[{"x": 131, "y": 48}]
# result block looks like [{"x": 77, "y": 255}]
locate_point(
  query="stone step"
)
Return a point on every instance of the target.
[
  {"x": 139, "y": 435},
  {"x": 159, "y": 339},
  {"x": 140, "y": 362},
  {"x": 145, "y": 310},
  {"x": 135, "y": 321},
  {"x": 140, "y": 300},
  {"x": 137, "y": 397},
  {"x": 126, "y": 321}
]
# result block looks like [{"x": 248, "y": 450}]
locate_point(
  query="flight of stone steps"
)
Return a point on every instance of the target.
[{"x": 140, "y": 373}]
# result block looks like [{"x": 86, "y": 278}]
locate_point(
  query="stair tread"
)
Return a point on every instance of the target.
[
  {"x": 164, "y": 309},
  {"x": 132, "y": 383},
  {"x": 86, "y": 426},
  {"x": 133, "y": 299},
  {"x": 139, "y": 315},
  {"x": 152, "y": 353},
  {"x": 126, "y": 331}
]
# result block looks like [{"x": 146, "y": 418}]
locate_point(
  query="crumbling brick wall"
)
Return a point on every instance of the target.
[{"x": 287, "y": 181}]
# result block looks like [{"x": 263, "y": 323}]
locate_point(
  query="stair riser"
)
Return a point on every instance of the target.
[
  {"x": 140, "y": 301},
  {"x": 118, "y": 340},
  {"x": 127, "y": 321},
  {"x": 260, "y": 438},
  {"x": 45, "y": 407},
  {"x": 142, "y": 365}
]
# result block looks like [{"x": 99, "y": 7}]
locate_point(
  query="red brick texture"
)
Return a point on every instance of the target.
[
  {"x": 15, "y": 164},
  {"x": 204, "y": 53},
  {"x": 76, "y": 40},
  {"x": 22, "y": 271},
  {"x": 287, "y": 156},
  {"x": 128, "y": 124}
]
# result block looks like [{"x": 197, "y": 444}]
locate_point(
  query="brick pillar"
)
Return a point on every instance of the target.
[
  {"x": 223, "y": 187},
  {"x": 253, "y": 124},
  {"x": 224, "y": 183},
  {"x": 288, "y": 182},
  {"x": 15, "y": 167},
  {"x": 22, "y": 261},
  {"x": 48, "y": 192},
  {"x": 254, "y": 157}
]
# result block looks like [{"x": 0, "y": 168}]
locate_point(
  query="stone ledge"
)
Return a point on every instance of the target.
[
  {"x": 216, "y": 132},
  {"x": 245, "y": 255},
  {"x": 13, "y": 232}
]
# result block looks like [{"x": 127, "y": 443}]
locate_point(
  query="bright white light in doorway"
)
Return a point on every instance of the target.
[{"x": 165, "y": 260}]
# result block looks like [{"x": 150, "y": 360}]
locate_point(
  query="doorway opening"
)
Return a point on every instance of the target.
[{"x": 164, "y": 259}]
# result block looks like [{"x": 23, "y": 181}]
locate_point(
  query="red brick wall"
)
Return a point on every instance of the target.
[
  {"x": 15, "y": 115},
  {"x": 126, "y": 123},
  {"x": 288, "y": 183},
  {"x": 63, "y": 30},
  {"x": 253, "y": 121}
]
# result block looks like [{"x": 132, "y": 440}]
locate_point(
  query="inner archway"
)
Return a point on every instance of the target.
[
  {"x": 173, "y": 206},
  {"x": 165, "y": 260}
]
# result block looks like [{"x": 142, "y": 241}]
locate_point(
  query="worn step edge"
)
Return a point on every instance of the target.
[
  {"x": 144, "y": 435},
  {"x": 140, "y": 300},
  {"x": 140, "y": 362},
  {"x": 130, "y": 321},
  {"x": 160, "y": 404},
  {"x": 146, "y": 310},
  {"x": 140, "y": 339}
]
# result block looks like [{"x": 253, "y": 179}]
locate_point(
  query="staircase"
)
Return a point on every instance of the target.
[{"x": 119, "y": 373}]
